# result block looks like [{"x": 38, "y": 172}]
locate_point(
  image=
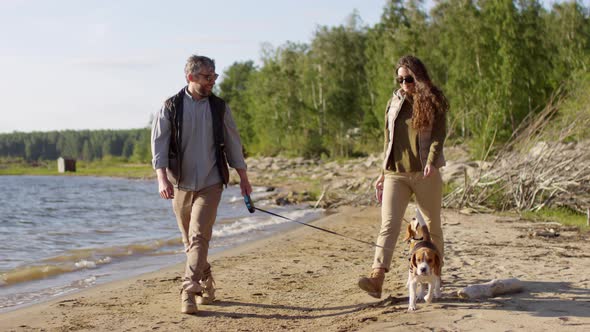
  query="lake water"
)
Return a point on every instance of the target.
[{"x": 60, "y": 234}]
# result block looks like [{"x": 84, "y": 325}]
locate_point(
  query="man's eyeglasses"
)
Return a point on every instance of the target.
[
  {"x": 407, "y": 79},
  {"x": 210, "y": 77}
]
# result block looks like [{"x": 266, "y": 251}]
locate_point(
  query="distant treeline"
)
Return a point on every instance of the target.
[
  {"x": 496, "y": 60},
  {"x": 132, "y": 144}
]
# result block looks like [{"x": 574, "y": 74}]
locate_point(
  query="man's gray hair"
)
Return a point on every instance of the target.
[{"x": 194, "y": 64}]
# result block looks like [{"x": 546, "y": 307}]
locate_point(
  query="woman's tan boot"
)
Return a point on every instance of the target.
[{"x": 373, "y": 284}]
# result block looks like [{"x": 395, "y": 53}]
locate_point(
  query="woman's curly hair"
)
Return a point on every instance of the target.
[{"x": 429, "y": 100}]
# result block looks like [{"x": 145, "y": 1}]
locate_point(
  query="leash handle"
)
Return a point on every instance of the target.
[{"x": 249, "y": 204}]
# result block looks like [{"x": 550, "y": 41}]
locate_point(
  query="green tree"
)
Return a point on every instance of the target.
[
  {"x": 339, "y": 90},
  {"x": 86, "y": 152},
  {"x": 232, "y": 90},
  {"x": 142, "y": 148},
  {"x": 274, "y": 99},
  {"x": 385, "y": 44},
  {"x": 568, "y": 36}
]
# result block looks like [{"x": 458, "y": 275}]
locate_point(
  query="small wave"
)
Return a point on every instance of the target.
[
  {"x": 85, "y": 264},
  {"x": 29, "y": 273},
  {"x": 113, "y": 252},
  {"x": 167, "y": 253},
  {"x": 244, "y": 225},
  {"x": 80, "y": 259},
  {"x": 234, "y": 199},
  {"x": 103, "y": 231},
  {"x": 60, "y": 233},
  {"x": 251, "y": 224},
  {"x": 258, "y": 193},
  {"x": 25, "y": 222},
  {"x": 300, "y": 215},
  {"x": 84, "y": 282}
]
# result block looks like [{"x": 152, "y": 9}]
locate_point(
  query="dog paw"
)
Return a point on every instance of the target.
[
  {"x": 437, "y": 294},
  {"x": 428, "y": 298},
  {"x": 420, "y": 295}
]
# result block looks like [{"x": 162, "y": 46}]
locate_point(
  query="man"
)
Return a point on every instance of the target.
[{"x": 194, "y": 137}]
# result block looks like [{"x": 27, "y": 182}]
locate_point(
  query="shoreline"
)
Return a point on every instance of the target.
[
  {"x": 74, "y": 270},
  {"x": 170, "y": 267},
  {"x": 305, "y": 280},
  {"x": 22, "y": 313}
]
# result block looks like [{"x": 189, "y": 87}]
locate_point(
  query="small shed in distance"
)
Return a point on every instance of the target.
[{"x": 66, "y": 165}]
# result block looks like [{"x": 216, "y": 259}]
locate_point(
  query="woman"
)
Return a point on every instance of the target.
[{"x": 414, "y": 135}]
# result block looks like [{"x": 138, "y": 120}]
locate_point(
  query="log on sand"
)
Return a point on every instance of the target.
[{"x": 491, "y": 289}]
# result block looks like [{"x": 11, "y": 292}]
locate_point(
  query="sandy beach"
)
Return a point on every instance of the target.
[{"x": 305, "y": 280}]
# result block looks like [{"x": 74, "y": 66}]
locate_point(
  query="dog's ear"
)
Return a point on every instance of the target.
[
  {"x": 409, "y": 233},
  {"x": 413, "y": 262},
  {"x": 437, "y": 265}
]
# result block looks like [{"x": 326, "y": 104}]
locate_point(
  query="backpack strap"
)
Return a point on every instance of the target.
[
  {"x": 174, "y": 106},
  {"x": 217, "y": 106}
]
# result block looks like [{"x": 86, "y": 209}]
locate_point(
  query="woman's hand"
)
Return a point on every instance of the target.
[
  {"x": 379, "y": 188},
  {"x": 429, "y": 170}
]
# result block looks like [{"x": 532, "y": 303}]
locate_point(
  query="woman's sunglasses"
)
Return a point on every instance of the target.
[{"x": 407, "y": 79}]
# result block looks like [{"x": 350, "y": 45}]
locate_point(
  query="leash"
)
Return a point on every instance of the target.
[{"x": 252, "y": 209}]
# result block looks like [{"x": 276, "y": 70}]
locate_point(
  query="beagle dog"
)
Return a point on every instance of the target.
[{"x": 425, "y": 263}]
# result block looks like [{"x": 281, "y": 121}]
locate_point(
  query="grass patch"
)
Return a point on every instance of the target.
[
  {"x": 563, "y": 216},
  {"x": 115, "y": 168},
  {"x": 299, "y": 184},
  {"x": 110, "y": 167}
]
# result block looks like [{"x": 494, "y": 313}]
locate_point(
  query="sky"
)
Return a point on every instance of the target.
[
  {"x": 109, "y": 64},
  {"x": 85, "y": 64}
]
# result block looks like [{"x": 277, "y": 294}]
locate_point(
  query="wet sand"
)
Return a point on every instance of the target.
[{"x": 305, "y": 280}]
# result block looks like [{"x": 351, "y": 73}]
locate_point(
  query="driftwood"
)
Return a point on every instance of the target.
[
  {"x": 321, "y": 197},
  {"x": 491, "y": 289},
  {"x": 549, "y": 175},
  {"x": 531, "y": 172}
]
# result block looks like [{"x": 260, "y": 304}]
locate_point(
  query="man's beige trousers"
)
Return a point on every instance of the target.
[{"x": 195, "y": 213}]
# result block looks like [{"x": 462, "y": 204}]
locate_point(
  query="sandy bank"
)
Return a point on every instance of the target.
[{"x": 305, "y": 280}]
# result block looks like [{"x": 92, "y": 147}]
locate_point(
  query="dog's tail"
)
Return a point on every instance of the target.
[{"x": 422, "y": 225}]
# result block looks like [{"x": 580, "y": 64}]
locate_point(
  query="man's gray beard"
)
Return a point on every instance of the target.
[{"x": 204, "y": 94}]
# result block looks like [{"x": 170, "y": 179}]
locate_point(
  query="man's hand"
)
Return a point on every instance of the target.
[
  {"x": 429, "y": 170},
  {"x": 245, "y": 186},
  {"x": 165, "y": 188}
]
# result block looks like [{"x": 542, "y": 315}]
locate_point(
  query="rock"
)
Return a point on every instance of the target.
[
  {"x": 369, "y": 163},
  {"x": 551, "y": 233},
  {"x": 331, "y": 175},
  {"x": 538, "y": 150},
  {"x": 298, "y": 161},
  {"x": 455, "y": 172}
]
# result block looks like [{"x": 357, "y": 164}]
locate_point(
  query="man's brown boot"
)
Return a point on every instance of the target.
[
  {"x": 207, "y": 296},
  {"x": 187, "y": 302},
  {"x": 373, "y": 284}
]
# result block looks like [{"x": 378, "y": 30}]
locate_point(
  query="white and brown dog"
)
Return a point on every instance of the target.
[{"x": 425, "y": 263}]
